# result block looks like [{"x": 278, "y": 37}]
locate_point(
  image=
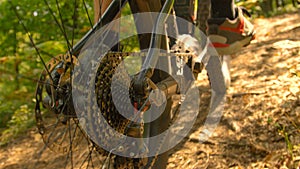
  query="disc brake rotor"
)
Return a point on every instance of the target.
[{"x": 54, "y": 112}]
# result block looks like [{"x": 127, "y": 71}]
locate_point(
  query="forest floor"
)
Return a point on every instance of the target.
[{"x": 260, "y": 126}]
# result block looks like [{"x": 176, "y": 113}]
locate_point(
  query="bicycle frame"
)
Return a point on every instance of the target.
[
  {"x": 110, "y": 13},
  {"x": 155, "y": 42}
]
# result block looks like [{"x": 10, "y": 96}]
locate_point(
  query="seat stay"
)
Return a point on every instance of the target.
[{"x": 111, "y": 12}]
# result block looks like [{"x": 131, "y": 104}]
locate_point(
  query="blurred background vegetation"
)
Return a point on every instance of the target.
[
  {"x": 267, "y": 8},
  {"x": 20, "y": 65}
]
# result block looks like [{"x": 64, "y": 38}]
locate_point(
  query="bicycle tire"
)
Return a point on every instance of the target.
[{"x": 46, "y": 86}]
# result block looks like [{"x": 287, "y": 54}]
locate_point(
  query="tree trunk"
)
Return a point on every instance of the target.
[
  {"x": 17, "y": 61},
  {"x": 267, "y": 6}
]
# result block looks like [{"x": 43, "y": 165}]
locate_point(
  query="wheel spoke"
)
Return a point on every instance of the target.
[
  {"x": 30, "y": 38},
  {"x": 86, "y": 11},
  {"x": 61, "y": 26}
]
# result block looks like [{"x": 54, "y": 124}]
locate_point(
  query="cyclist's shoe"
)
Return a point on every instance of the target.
[{"x": 229, "y": 36}]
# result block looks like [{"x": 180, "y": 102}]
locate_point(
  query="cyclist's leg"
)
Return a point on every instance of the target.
[
  {"x": 100, "y": 7},
  {"x": 153, "y": 6},
  {"x": 185, "y": 9},
  {"x": 223, "y": 8},
  {"x": 141, "y": 7}
]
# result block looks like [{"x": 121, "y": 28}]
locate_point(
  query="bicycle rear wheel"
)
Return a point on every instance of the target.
[{"x": 56, "y": 118}]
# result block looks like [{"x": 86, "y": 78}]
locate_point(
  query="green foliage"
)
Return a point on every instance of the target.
[
  {"x": 268, "y": 8},
  {"x": 20, "y": 65},
  {"x": 19, "y": 123},
  {"x": 282, "y": 131},
  {"x": 28, "y": 26},
  {"x": 5, "y": 113}
]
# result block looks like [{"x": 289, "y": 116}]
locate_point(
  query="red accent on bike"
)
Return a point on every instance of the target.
[
  {"x": 193, "y": 18},
  {"x": 135, "y": 104}
]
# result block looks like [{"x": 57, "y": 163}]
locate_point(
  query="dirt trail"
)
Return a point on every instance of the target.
[
  {"x": 263, "y": 105},
  {"x": 260, "y": 127}
]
